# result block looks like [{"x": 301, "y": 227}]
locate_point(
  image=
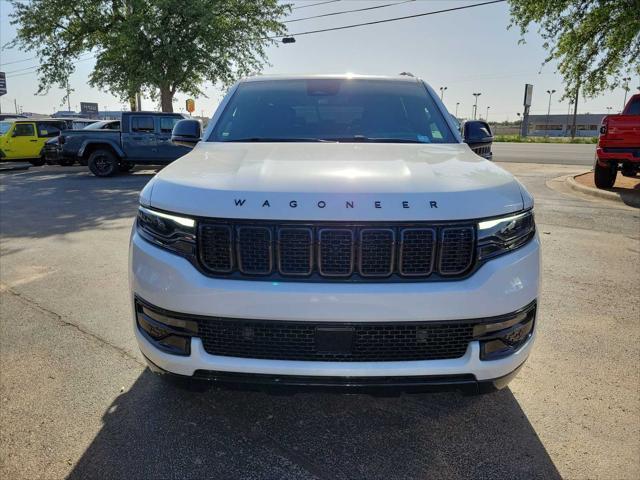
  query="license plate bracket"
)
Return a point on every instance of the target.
[{"x": 336, "y": 340}]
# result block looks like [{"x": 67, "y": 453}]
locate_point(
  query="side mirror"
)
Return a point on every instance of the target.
[
  {"x": 477, "y": 134},
  {"x": 186, "y": 133}
]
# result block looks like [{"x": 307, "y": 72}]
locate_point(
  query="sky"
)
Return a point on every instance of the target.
[{"x": 467, "y": 51}]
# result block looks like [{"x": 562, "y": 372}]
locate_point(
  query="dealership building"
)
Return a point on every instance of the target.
[{"x": 587, "y": 125}]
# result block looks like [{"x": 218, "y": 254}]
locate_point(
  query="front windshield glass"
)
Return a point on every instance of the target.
[
  {"x": 4, "y": 127},
  {"x": 344, "y": 110}
]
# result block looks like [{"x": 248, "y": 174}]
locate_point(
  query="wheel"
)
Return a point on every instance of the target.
[
  {"x": 125, "y": 167},
  {"x": 605, "y": 176},
  {"x": 37, "y": 162},
  {"x": 103, "y": 163},
  {"x": 66, "y": 162}
]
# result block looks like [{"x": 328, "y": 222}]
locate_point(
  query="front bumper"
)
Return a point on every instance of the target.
[
  {"x": 503, "y": 285},
  {"x": 467, "y": 384}
]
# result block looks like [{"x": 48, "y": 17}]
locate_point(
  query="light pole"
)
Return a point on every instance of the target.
[
  {"x": 475, "y": 105},
  {"x": 486, "y": 118},
  {"x": 457, "y": 103},
  {"x": 519, "y": 125},
  {"x": 546, "y": 128},
  {"x": 442, "y": 89},
  {"x": 626, "y": 81}
]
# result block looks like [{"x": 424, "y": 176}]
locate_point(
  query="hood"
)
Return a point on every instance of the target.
[{"x": 334, "y": 181}]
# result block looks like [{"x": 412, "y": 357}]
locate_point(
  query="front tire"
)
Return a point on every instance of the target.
[
  {"x": 605, "y": 176},
  {"x": 37, "y": 162},
  {"x": 103, "y": 163}
]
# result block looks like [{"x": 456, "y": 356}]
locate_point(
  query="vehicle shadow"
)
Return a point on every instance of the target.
[
  {"x": 156, "y": 431},
  {"x": 51, "y": 201}
]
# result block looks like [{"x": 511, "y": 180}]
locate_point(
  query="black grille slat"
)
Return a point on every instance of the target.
[
  {"x": 278, "y": 340},
  {"x": 417, "y": 251},
  {"x": 456, "y": 252},
  {"x": 255, "y": 250},
  {"x": 295, "y": 251},
  {"x": 335, "y": 252},
  {"x": 216, "y": 247},
  {"x": 376, "y": 252}
]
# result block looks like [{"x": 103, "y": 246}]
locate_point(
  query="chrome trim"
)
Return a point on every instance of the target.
[
  {"x": 434, "y": 237},
  {"x": 393, "y": 249},
  {"x": 311, "y": 244},
  {"x": 473, "y": 250},
  {"x": 320, "y": 232},
  {"x": 239, "y": 252}
]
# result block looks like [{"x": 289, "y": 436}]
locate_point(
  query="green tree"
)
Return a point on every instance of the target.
[
  {"x": 159, "y": 46},
  {"x": 595, "y": 42}
]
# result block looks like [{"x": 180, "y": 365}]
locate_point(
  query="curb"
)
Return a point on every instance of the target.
[{"x": 631, "y": 200}]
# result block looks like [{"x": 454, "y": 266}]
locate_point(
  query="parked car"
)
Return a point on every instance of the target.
[
  {"x": 25, "y": 139},
  {"x": 334, "y": 232},
  {"x": 144, "y": 138},
  {"x": 52, "y": 146},
  {"x": 619, "y": 145}
]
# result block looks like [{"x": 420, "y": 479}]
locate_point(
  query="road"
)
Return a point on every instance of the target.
[
  {"x": 546, "y": 153},
  {"x": 77, "y": 402}
]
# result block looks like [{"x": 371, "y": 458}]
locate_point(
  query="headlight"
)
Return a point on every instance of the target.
[
  {"x": 173, "y": 232},
  {"x": 502, "y": 235}
]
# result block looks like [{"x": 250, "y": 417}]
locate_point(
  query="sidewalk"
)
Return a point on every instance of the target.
[{"x": 625, "y": 190}]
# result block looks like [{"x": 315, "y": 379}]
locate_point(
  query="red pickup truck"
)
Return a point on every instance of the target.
[{"x": 619, "y": 145}]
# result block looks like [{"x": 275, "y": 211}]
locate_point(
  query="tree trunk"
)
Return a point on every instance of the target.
[
  {"x": 132, "y": 103},
  {"x": 575, "y": 113},
  {"x": 166, "y": 99}
]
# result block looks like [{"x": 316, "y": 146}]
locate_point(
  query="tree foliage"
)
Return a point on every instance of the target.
[
  {"x": 595, "y": 42},
  {"x": 159, "y": 46}
]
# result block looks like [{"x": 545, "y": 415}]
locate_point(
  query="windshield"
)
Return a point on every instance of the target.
[
  {"x": 344, "y": 110},
  {"x": 4, "y": 127}
]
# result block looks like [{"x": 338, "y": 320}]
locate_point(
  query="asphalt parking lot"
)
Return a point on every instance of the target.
[{"x": 77, "y": 402}]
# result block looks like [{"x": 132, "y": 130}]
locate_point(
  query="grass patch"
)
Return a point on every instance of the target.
[{"x": 518, "y": 139}]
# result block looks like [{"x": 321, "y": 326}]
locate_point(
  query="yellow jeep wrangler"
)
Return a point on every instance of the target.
[{"x": 24, "y": 139}]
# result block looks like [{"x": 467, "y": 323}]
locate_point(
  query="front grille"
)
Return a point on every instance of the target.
[
  {"x": 278, "y": 340},
  {"x": 335, "y": 252}
]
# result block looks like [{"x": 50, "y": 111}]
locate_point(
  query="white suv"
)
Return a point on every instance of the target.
[{"x": 334, "y": 232}]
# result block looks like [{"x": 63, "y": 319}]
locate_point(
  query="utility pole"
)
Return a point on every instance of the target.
[
  {"x": 457, "y": 103},
  {"x": 68, "y": 96},
  {"x": 15, "y": 105},
  {"x": 486, "y": 118},
  {"x": 519, "y": 125},
  {"x": 475, "y": 105},
  {"x": 442, "y": 89},
  {"x": 546, "y": 128},
  {"x": 626, "y": 81}
]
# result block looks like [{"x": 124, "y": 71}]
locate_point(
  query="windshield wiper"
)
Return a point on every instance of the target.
[
  {"x": 362, "y": 138},
  {"x": 272, "y": 139}
]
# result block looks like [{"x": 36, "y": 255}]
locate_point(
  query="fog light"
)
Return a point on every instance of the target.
[
  {"x": 507, "y": 343},
  {"x": 504, "y": 336},
  {"x": 171, "y": 335}
]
